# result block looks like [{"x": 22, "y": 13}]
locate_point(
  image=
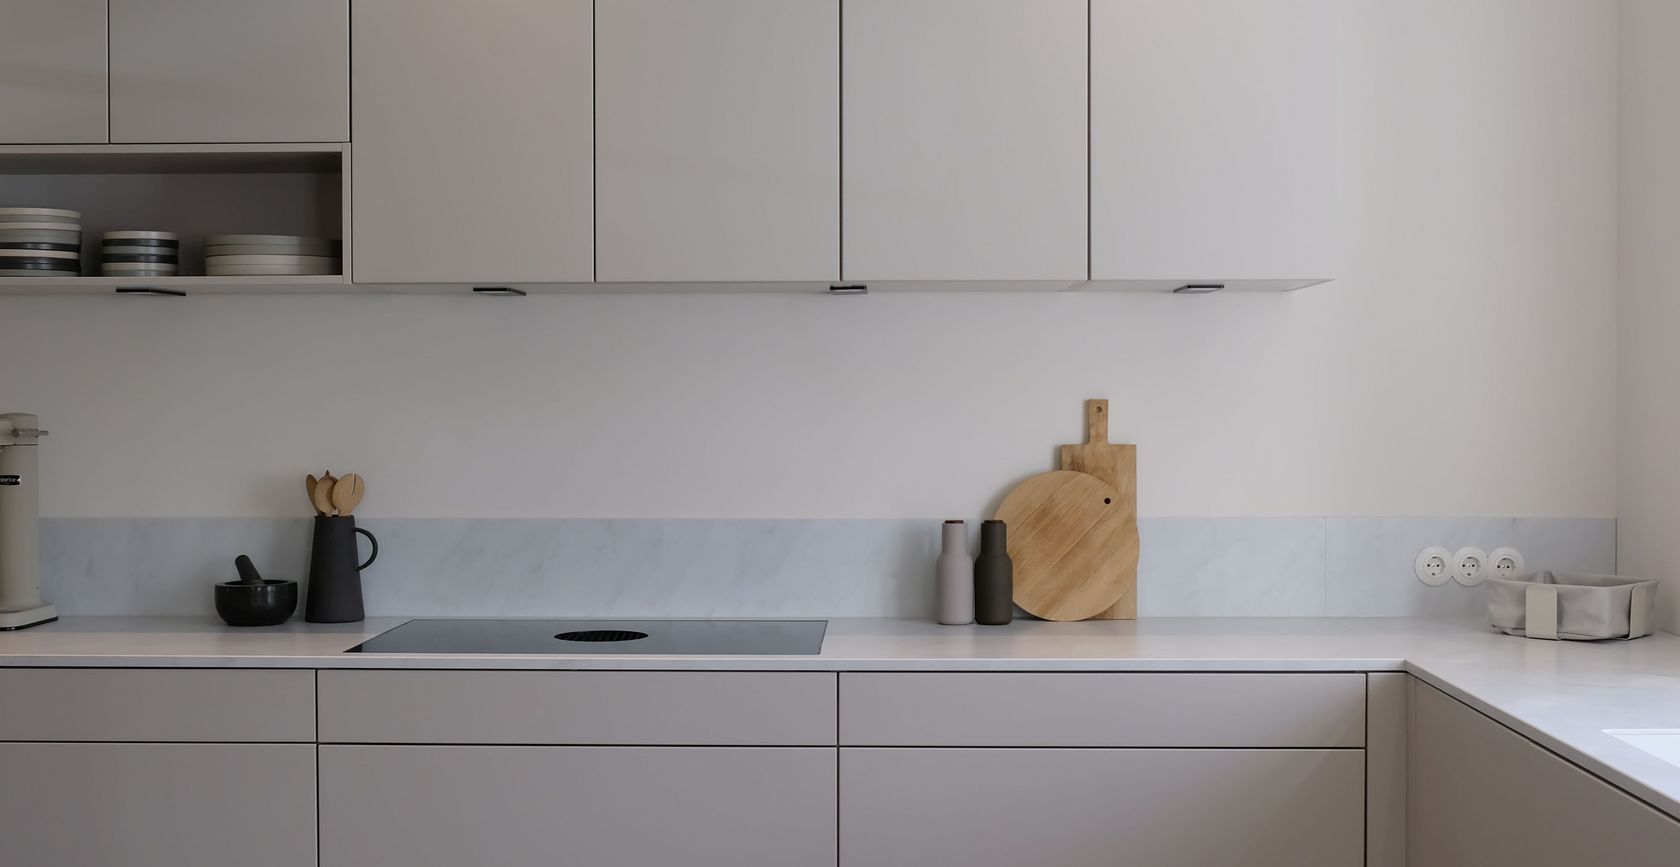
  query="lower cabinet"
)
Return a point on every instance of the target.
[
  {"x": 516, "y": 806},
  {"x": 157, "y": 805},
  {"x": 1481, "y": 794},
  {"x": 1101, "y": 807}
]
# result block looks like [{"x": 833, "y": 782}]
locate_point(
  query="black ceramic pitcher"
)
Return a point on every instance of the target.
[{"x": 335, "y": 580}]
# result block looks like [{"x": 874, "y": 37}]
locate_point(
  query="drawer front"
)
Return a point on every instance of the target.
[
  {"x": 462, "y": 806},
  {"x": 1102, "y": 710},
  {"x": 578, "y": 707},
  {"x": 157, "y": 805},
  {"x": 194, "y": 706},
  {"x": 1099, "y": 808}
]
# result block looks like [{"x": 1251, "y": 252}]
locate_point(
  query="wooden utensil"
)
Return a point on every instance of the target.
[
  {"x": 309, "y": 485},
  {"x": 1116, "y": 465},
  {"x": 1071, "y": 542},
  {"x": 347, "y": 493},
  {"x": 322, "y": 497}
]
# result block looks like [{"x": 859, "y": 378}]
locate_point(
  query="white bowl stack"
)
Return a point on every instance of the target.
[
  {"x": 270, "y": 256},
  {"x": 40, "y": 242},
  {"x": 136, "y": 253}
]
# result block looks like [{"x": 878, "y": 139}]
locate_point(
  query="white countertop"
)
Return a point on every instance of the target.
[{"x": 1563, "y": 695}]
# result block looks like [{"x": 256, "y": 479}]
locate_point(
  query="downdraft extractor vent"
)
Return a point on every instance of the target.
[{"x": 602, "y": 635}]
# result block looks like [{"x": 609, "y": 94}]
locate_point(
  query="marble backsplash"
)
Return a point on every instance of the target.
[{"x": 1191, "y": 567}]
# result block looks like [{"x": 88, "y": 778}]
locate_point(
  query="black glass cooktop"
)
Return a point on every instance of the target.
[{"x": 597, "y": 637}]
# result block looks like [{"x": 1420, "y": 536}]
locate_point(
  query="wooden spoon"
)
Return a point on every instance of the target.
[
  {"x": 347, "y": 493},
  {"x": 309, "y": 483},
  {"x": 322, "y": 496}
]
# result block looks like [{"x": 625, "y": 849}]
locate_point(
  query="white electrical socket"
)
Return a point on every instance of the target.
[
  {"x": 1505, "y": 563},
  {"x": 1434, "y": 566},
  {"x": 1469, "y": 565}
]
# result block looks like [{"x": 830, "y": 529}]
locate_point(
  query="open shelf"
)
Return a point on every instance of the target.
[{"x": 191, "y": 190}]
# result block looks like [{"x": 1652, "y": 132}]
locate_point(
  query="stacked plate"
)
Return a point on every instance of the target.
[
  {"x": 133, "y": 253},
  {"x": 40, "y": 242},
  {"x": 270, "y": 255}
]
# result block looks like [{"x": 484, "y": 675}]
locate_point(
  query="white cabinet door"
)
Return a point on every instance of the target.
[
  {"x": 472, "y": 142},
  {"x": 964, "y": 147},
  {"x": 1213, "y": 138},
  {"x": 157, "y": 805},
  {"x": 1480, "y": 794},
  {"x": 230, "y": 71},
  {"x": 1099, "y": 808},
  {"x": 419, "y": 806},
  {"x": 53, "y": 74},
  {"x": 718, "y": 140}
]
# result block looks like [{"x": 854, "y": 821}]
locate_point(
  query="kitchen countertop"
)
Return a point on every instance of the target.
[{"x": 1562, "y": 695}]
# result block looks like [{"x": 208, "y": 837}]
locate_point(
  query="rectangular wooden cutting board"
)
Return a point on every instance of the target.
[{"x": 1116, "y": 465}]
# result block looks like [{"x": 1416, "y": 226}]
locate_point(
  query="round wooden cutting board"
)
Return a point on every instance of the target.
[{"x": 1072, "y": 543}]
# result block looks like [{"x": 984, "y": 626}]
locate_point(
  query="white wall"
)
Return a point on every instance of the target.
[
  {"x": 1648, "y": 529},
  {"x": 1463, "y": 364}
]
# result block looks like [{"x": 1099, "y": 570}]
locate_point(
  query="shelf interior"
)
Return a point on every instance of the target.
[
  {"x": 171, "y": 159},
  {"x": 287, "y": 193}
]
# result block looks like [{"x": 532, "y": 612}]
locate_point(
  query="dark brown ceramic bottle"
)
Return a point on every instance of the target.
[{"x": 994, "y": 577}]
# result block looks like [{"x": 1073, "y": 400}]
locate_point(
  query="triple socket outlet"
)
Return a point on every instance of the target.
[{"x": 1468, "y": 566}]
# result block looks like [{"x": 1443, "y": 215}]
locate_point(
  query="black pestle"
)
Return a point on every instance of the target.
[{"x": 247, "y": 570}]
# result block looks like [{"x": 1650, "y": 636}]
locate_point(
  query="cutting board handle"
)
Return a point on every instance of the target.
[{"x": 1096, "y": 421}]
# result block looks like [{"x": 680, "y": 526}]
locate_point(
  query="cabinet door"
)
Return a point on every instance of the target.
[
  {"x": 230, "y": 71},
  {"x": 1098, "y": 808},
  {"x": 52, "y": 72},
  {"x": 1479, "y": 794},
  {"x": 157, "y": 805},
  {"x": 965, "y": 140},
  {"x": 718, "y": 131},
  {"x": 1213, "y": 138},
  {"x": 472, "y": 154},
  {"x": 416, "y": 806}
]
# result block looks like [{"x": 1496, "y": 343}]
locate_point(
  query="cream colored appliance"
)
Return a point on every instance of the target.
[{"x": 20, "y": 523}]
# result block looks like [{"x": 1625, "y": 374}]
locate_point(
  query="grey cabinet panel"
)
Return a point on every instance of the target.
[
  {"x": 1388, "y": 710},
  {"x": 1102, "y": 710},
  {"x": 1214, "y": 138},
  {"x": 230, "y": 71},
  {"x": 965, "y": 140},
  {"x": 1482, "y": 794},
  {"x": 158, "y": 704},
  {"x": 472, "y": 156},
  {"x": 157, "y": 805},
  {"x": 418, "y": 806},
  {"x": 1099, "y": 808},
  {"x": 578, "y": 707},
  {"x": 53, "y": 76},
  {"x": 718, "y": 130}
]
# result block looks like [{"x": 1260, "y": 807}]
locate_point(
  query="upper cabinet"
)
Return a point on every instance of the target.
[
  {"x": 965, "y": 144},
  {"x": 473, "y": 141},
  {"x": 717, "y": 140},
  {"x": 229, "y": 70},
  {"x": 1214, "y": 139},
  {"x": 53, "y": 77},
  {"x": 740, "y": 144}
]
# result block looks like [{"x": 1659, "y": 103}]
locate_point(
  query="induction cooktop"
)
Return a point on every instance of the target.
[{"x": 602, "y": 637}]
